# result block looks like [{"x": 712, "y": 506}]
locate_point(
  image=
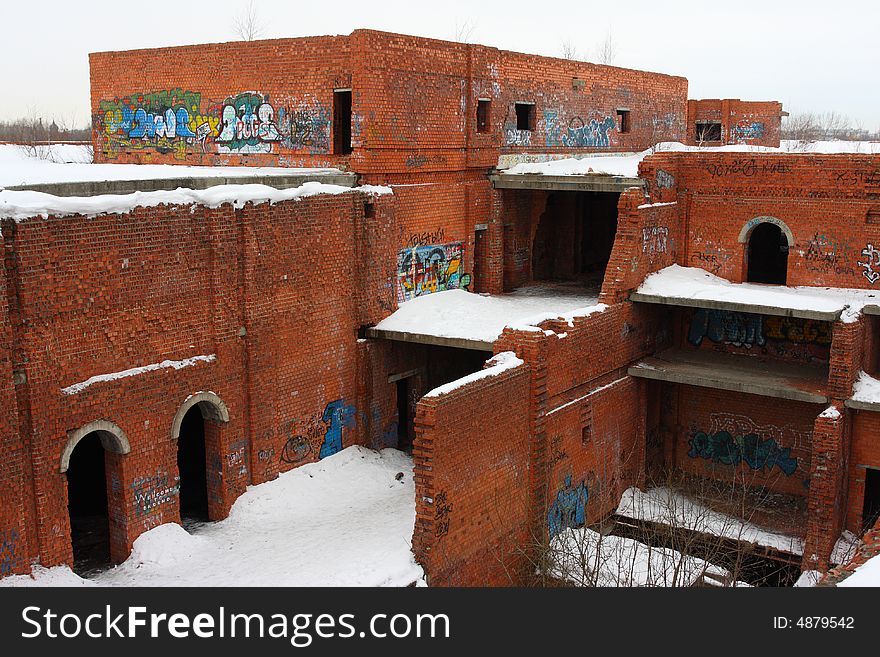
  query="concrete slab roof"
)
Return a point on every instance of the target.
[
  {"x": 710, "y": 369},
  {"x": 591, "y": 182}
]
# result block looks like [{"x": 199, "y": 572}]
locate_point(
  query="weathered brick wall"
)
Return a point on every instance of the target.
[
  {"x": 757, "y": 123},
  {"x": 414, "y": 103},
  {"x": 865, "y": 453},
  {"x": 699, "y": 421},
  {"x": 288, "y": 115},
  {"x": 829, "y": 203},
  {"x": 472, "y": 469},
  {"x": 271, "y": 296}
]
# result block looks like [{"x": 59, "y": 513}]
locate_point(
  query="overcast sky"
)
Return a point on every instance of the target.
[{"x": 813, "y": 56}]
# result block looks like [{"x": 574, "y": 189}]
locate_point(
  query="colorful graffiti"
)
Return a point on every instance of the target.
[
  {"x": 337, "y": 415},
  {"x": 579, "y": 133},
  {"x": 182, "y": 122},
  {"x": 872, "y": 256},
  {"x": 248, "y": 125},
  {"x": 756, "y": 452},
  {"x": 726, "y": 326},
  {"x": 426, "y": 269},
  {"x": 802, "y": 331},
  {"x": 745, "y": 130},
  {"x": 569, "y": 509}
]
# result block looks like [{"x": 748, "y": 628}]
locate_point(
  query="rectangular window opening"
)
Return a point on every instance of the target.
[
  {"x": 525, "y": 116},
  {"x": 483, "y": 119},
  {"x": 708, "y": 131},
  {"x": 623, "y": 122},
  {"x": 342, "y": 122}
]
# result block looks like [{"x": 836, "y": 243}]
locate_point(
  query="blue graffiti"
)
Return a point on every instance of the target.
[
  {"x": 339, "y": 415},
  {"x": 590, "y": 135},
  {"x": 8, "y": 543},
  {"x": 746, "y": 130},
  {"x": 757, "y": 453},
  {"x": 726, "y": 326},
  {"x": 569, "y": 509},
  {"x": 171, "y": 124}
]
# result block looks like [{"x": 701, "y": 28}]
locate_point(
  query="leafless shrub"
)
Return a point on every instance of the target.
[
  {"x": 569, "y": 50},
  {"x": 248, "y": 25},
  {"x": 607, "y": 51},
  {"x": 464, "y": 30}
]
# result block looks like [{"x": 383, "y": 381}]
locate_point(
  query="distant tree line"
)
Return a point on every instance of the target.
[
  {"x": 35, "y": 130},
  {"x": 824, "y": 126}
]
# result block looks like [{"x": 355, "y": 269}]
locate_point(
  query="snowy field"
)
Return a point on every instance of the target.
[
  {"x": 346, "y": 520},
  {"x": 21, "y": 165},
  {"x": 462, "y": 315}
]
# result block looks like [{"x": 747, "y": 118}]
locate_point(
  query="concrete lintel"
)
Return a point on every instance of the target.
[
  {"x": 98, "y": 187},
  {"x": 591, "y": 182},
  {"x": 436, "y": 340},
  {"x": 862, "y": 405},
  {"x": 871, "y": 309},
  {"x": 821, "y": 315}
]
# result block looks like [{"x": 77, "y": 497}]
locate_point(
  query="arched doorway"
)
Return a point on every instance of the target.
[
  {"x": 196, "y": 429},
  {"x": 84, "y": 462},
  {"x": 767, "y": 255}
]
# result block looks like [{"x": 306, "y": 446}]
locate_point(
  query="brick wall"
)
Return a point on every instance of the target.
[
  {"x": 756, "y": 123},
  {"x": 472, "y": 483},
  {"x": 270, "y": 297}
]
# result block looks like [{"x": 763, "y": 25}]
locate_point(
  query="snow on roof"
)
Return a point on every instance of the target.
[
  {"x": 462, "y": 315},
  {"x": 627, "y": 164},
  {"x": 63, "y": 163},
  {"x": 676, "y": 282},
  {"x": 830, "y": 413},
  {"x": 866, "y": 389},
  {"x": 20, "y": 205},
  {"x": 506, "y": 360}
]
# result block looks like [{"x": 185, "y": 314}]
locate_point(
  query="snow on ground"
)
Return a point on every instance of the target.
[
  {"x": 676, "y": 282},
  {"x": 586, "y": 558},
  {"x": 20, "y": 165},
  {"x": 868, "y": 574},
  {"x": 866, "y": 388},
  {"x": 346, "y": 520},
  {"x": 627, "y": 164},
  {"x": 463, "y": 315},
  {"x": 670, "y": 507}
]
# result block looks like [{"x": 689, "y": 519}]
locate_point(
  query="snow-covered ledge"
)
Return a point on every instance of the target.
[
  {"x": 865, "y": 394},
  {"x": 697, "y": 288}
]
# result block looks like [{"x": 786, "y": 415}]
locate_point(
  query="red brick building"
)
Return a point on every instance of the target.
[{"x": 180, "y": 352}]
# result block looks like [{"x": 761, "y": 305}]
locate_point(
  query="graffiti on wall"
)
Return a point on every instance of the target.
[
  {"x": 514, "y": 137},
  {"x": 321, "y": 435},
  {"x": 732, "y": 439},
  {"x": 871, "y": 264},
  {"x": 665, "y": 180},
  {"x": 181, "y": 122},
  {"x": 426, "y": 269},
  {"x": 825, "y": 254},
  {"x": 8, "y": 546},
  {"x": 569, "y": 509},
  {"x": 802, "y": 331},
  {"x": 654, "y": 239},
  {"x": 745, "y": 130},
  {"x": 442, "y": 509},
  {"x": 726, "y": 326},
  {"x": 579, "y": 132},
  {"x": 154, "y": 490}
]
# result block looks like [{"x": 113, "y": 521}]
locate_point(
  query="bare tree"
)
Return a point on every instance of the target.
[
  {"x": 464, "y": 30},
  {"x": 569, "y": 50},
  {"x": 248, "y": 25},
  {"x": 607, "y": 51}
]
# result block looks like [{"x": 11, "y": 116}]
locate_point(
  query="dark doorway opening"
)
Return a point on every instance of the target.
[
  {"x": 404, "y": 417},
  {"x": 480, "y": 255},
  {"x": 192, "y": 466},
  {"x": 871, "y": 504},
  {"x": 342, "y": 122},
  {"x": 87, "y": 505},
  {"x": 574, "y": 237},
  {"x": 767, "y": 255}
]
